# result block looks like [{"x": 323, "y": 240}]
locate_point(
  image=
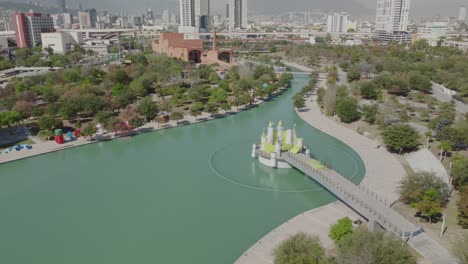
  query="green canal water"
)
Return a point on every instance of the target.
[{"x": 183, "y": 195}]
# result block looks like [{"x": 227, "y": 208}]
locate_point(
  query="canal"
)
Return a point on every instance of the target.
[{"x": 189, "y": 194}]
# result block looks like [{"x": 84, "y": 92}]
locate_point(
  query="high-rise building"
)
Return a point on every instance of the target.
[
  {"x": 149, "y": 14},
  {"x": 202, "y": 14},
  {"x": 462, "y": 13},
  {"x": 174, "y": 19},
  {"x": 337, "y": 23},
  {"x": 166, "y": 17},
  {"x": 62, "y": 6},
  {"x": 392, "y": 20},
  {"x": 237, "y": 14},
  {"x": 29, "y": 26},
  {"x": 227, "y": 10},
  {"x": 187, "y": 13},
  {"x": 87, "y": 18}
]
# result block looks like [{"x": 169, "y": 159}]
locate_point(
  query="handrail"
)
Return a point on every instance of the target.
[{"x": 362, "y": 199}]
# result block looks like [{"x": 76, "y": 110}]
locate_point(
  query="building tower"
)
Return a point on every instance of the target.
[
  {"x": 62, "y": 6},
  {"x": 187, "y": 13},
  {"x": 392, "y": 20},
  {"x": 237, "y": 14},
  {"x": 202, "y": 14},
  {"x": 29, "y": 26},
  {"x": 88, "y": 18},
  {"x": 337, "y": 23},
  {"x": 462, "y": 14}
]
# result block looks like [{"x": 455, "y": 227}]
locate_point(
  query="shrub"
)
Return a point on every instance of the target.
[
  {"x": 363, "y": 246},
  {"x": 401, "y": 138},
  {"x": 347, "y": 110},
  {"x": 300, "y": 248},
  {"x": 341, "y": 229}
]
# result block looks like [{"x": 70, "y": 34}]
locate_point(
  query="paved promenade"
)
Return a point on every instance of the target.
[
  {"x": 383, "y": 175},
  {"x": 383, "y": 171},
  {"x": 316, "y": 222}
]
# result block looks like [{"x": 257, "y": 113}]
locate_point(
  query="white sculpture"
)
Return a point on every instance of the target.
[
  {"x": 279, "y": 130},
  {"x": 270, "y": 133},
  {"x": 278, "y": 149},
  {"x": 289, "y": 137}
]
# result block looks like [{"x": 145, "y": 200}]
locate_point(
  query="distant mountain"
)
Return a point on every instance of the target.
[{"x": 24, "y": 7}]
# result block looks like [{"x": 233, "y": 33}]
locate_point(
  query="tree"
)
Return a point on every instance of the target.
[
  {"x": 211, "y": 108},
  {"x": 329, "y": 100},
  {"x": 214, "y": 77},
  {"x": 8, "y": 118},
  {"x": 446, "y": 146},
  {"x": 24, "y": 108},
  {"x": 370, "y": 113},
  {"x": 89, "y": 130},
  {"x": 196, "y": 109},
  {"x": 347, "y": 110},
  {"x": 459, "y": 171},
  {"x": 366, "y": 247},
  {"x": 419, "y": 82},
  {"x": 300, "y": 248},
  {"x": 429, "y": 206},
  {"x": 368, "y": 90},
  {"x": 299, "y": 101},
  {"x": 420, "y": 186},
  {"x": 147, "y": 108},
  {"x": 401, "y": 138},
  {"x": 176, "y": 115},
  {"x": 341, "y": 229},
  {"x": 46, "y": 122},
  {"x": 136, "y": 121},
  {"x": 398, "y": 87},
  {"x": 226, "y": 107},
  {"x": 354, "y": 74}
]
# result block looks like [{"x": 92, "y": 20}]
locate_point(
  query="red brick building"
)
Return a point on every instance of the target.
[{"x": 174, "y": 45}]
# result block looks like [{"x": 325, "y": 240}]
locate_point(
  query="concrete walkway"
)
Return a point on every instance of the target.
[
  {"x": 383, "y": 175},
  {"x": 424, "y": 160},
  {"x": 383, "y": 171},
  {"x": 315, "y": 222}
]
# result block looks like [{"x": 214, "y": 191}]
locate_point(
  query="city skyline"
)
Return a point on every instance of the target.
[{"x": 364, "y": 8}]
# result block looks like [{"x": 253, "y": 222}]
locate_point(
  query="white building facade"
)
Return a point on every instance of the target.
[
  {"x": 462, "y": 13},
  {"x": 337, "y": 23},
  {"x": 61, "y": 42},
  {"x": 392, "y": 20},
  {"x": 238, "y": 14},
  {"x": 187, "y": 13},
  {"x": 433, "y": 29}
]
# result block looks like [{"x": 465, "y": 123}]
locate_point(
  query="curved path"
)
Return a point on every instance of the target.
[
  {"x": 383, "y": 171},
  {"x": 383, "y": 174}
]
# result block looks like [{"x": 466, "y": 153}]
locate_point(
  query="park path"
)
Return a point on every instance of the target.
[
  {"x": 383, "y": 175},
  {"x": 315, "y": 222}
]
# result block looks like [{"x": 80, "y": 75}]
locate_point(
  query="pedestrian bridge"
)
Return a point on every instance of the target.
[{"x": 365, "y": 202}]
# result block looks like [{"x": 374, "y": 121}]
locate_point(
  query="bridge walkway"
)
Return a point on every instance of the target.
[{"x": 375, "y": 209}]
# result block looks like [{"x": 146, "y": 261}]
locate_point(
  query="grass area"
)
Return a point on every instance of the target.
[{"x": 26, "y": 141}]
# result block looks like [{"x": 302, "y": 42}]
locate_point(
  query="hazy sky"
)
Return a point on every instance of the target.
[{"x": 419, "y": 8}]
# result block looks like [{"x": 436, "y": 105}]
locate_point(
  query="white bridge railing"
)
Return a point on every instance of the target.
[{"x": 367, "y": 203}]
